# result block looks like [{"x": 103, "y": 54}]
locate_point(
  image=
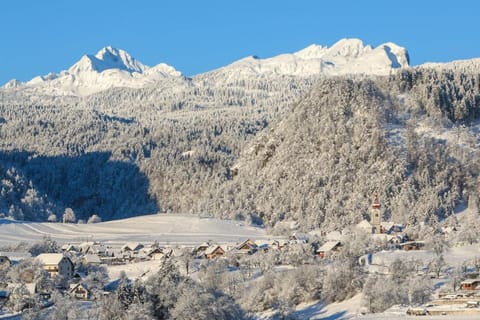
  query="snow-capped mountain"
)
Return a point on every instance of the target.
[
  {"x": 112, "y": 67},
  {"x": 109, "y": 68},
  {"x": 347, "y": 56}
]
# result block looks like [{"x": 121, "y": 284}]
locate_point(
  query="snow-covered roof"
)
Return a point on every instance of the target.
[
  {"x": 470, "y": 281},
  {"x": 134, "y": 246},
  {"x": 69, "y": 247},
  {"x": 213, "y": 248},
  {"x": 91, "y": 258},
  {"x": 327, "y": 246},
  {"x": 50, "y": 258}
]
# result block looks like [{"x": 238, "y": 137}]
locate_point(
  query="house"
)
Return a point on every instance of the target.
[
  {"x": 389, "y": 227},
  {"x": 200, "y": 250},
  {"x": 298, "y": 237},
  {"x": 247, "y": 247},
  {"x": 154, "y": 253},
  {"x": 214, "y": 251},
  {"x": 56, "y": 263},
  {"x": 5, "y": 262},
  {"x": 265, "y": 245},
  {"x": 133, "y": 247},
  {"x": 412, "y": 245},
  {"x": 93, "y": 248},
  {"x": 328, "y": 248},
  {"x": 91, "y": 260},
  {"x": 70, "y": 248},
  {"x": 470, "y": 284},
  {"x": 85, "y": 246},
  {"x": 279, "y": 243},
  {"x": 79, "y": 291},
  {"x": 16, "y": 256}
]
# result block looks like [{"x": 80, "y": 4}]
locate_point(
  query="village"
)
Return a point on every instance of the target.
[{"x": 88, "y": 269}]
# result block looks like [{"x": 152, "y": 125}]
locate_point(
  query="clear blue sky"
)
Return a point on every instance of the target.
[{"x": 41, "y": 36}]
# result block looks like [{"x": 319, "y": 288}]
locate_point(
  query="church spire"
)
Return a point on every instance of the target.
[{"x": 376, "y": 215}]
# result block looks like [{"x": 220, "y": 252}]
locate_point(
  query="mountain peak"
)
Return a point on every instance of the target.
[
  {"x": 109, "y": 67},
  {"x": 108, "y": 58},
  {"x": 347, "y": 56},
  {"x": 352, "y": 48}
]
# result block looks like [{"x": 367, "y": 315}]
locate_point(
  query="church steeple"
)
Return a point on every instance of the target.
[{"x": 376, "y": 215}]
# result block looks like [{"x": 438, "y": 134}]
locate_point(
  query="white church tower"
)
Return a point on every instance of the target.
[{"x": 376, "y": 215}]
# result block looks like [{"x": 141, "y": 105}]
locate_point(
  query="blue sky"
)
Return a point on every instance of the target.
[{"x": 195, "y": 36}]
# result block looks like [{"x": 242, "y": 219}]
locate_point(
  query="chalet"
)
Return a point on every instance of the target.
[
  {"x": 133, "y": 247},
  {"x": 298, "y": 238},
  {"x": 70, "y": 248},
  {"x": 280, "y": 243},
  {"x": 91, "y": 260},
  {"x": 93, "y": 248},
  {"x": 79, "y": 291},
  {"x": 85, "y": 246},
  {"x": 5, "y": 261},
  {"x": 328, "y": 248},
  {"x": 56, "y": 263},
  {"x": 16, "y": 256},
  {"x": 389, "y": 227},
  {"x": 214, "y": 251},
  {"x": 265, "y": 245},
  {"x": 412, "y": 245},
  {"x": 200, "y": 250},
  {"x": 247, "y": 247},
  {"x": 470, "y": 284},
  {"x": 154, "y": 253}
]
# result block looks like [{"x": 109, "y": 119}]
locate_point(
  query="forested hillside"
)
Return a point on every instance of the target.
[{"x": 310, "y": 149}]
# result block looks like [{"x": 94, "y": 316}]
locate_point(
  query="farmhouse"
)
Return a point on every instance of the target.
[
  {"x": 91, "y": 260},
  {"x": 132, "y": 247},
  {"x": 56, "y": 263},
  {"x": 470, "y": 284},
  {"x": 247, "y": 247},
  {"x": 214, "y": 251},
  {"x": 79, "y": 291},
  {"x": 327, "y": 248},
  {"x": 5, "y": 261},
  {"x": 412, "y": 245}
]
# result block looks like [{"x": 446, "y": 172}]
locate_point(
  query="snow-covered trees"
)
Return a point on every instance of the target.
[
  {"x": 330, "y": 142},
  {"x": 47, "y": 245},
  {"x": 402, "y": 286},
  {"x": 94, "y": 219},
  {"x": 69, "y": 216}
]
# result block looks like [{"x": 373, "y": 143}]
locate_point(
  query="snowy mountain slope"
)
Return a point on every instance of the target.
[
  {"x": 466, "y": 66},
  {"x": 347, "y": 56},
  {"x": 109, "y": 68}
]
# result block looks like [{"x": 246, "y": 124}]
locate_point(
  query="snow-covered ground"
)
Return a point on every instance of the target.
[{"x": 167, "y": 229}]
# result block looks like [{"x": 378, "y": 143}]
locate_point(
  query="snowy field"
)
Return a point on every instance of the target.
[
  {"x": 165, "y": 228},
  {"x": 350, "y": 309}
]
